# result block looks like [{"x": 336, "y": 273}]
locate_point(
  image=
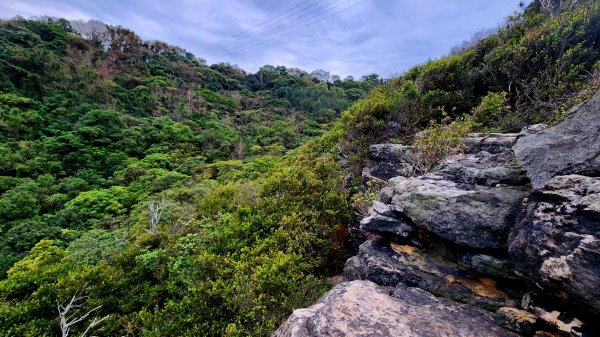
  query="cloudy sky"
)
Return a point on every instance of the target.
[{"x": 346, "y": 37}]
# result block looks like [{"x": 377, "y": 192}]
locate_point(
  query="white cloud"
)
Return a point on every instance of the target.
[{"x": 379, "y": 36}]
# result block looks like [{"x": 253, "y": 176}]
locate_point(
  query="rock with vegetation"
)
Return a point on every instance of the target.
[
  {"x": 571, "y": 147},
  {"x": 362, "y": 308}
]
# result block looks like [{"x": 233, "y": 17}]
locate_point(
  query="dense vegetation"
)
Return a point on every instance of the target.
[
  {"x": 540, "y": 63},
  {"x": 136, "y": 172},
  {"x": 186, "y": 199}
]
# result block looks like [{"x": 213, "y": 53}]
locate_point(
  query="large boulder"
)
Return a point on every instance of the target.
[
  {"x": 362, "y": 308},
  {"x": 472, "y": 215},
  {"x": 571, "y": 147},
  {"x": 470, "y": 199},
  {"x": 558, "y": 242}
]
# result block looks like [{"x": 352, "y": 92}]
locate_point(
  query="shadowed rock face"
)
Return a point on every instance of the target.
[
  {"x": 394, "y": 265},
  {"x": 571, "y": 147},
  {"x": 362, "y": 308},
  {"x": 558, "y": 242}
]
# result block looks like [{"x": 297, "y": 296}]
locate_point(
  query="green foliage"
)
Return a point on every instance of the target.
[
  {"x": 532, "y": 70},
  {"x": 438, "y": 141},
  {"x": 489, "y": 110},
  {"x": 179, "y": 195}
]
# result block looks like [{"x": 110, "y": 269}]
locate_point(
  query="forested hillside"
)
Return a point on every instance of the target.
[
  {"x": 190, "y": 200},
  {"x": 131, "y": 163}
]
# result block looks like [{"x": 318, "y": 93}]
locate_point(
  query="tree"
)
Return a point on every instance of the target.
[
  {"x": 68, "y": 318},
  {"x": 155, "y": 209},
  {"x": 321, "y": 75}
]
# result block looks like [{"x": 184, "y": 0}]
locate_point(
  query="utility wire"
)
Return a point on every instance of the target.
[
  {"x": 276, "y": 29},
  {"x": 284, "y": 32},
  {"x": 319, "y": 13},
  {"x": 298, "y": 9}
]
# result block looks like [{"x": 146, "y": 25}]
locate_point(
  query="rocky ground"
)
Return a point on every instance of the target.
[{"x": 502, "y": 240}]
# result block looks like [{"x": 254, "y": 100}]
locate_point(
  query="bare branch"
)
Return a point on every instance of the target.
[
  {"x": 155, "y": 209},
  {"x": 68, "y": 319}
]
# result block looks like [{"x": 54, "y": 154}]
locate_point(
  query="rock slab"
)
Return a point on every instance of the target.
[
  {"x": 362, "y": 308},
  {"x": 571, "y": 147}
]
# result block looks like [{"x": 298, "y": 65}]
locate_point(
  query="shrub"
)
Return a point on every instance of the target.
[
  {"x": 490, "y": 108},
  {"x": 438, "y": 141}
]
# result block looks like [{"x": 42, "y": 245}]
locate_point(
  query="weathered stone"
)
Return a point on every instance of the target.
[
  {"x": 491, "y": 143},
  {"x": 484, "y": 169},
  {"x": 489, "y": 265},
  {"x": 381, "y": 208},
  {"x": 392, "y": 265},
  {"x": 387, "y": 161},
  {"x": 571, "y": 147},
  {"x": 558, "y": 242},
  {"x": 386, "y": 225},
  {"x": 361, "y": 308},
  {"x": 516, "y": 320},
  {"x": 571, "y": 327},
  {"x": 470, "y": 215}
]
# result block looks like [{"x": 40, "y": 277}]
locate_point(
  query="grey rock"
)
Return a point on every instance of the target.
[
  {"x": 484, "y": 169},
  {"x": 386, "y": 225},
  {"x": 361, "y": 308},
  {"x": 381, "y": 208},
  {"x": 471, "y": 215},
  {"x": 387, "y": 161},
  {"x": 492, "y": 143},
  {"x": 394, "y": 265},
  {"x": 571, "y": 147},
  {"x": 488, "y": 265},
  {"x": 557, "y": 244},
  {"x": 389, "y": 152}
]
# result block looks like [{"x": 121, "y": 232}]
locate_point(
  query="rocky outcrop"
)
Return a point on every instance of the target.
[
  {"x": 558, "y": 242},
  {"x": 571, "y": 147},
  {"x": 475, "y": 231},
  {"x": 471, "y": 199},
  {"x": 387, "y": 161},
  {"x": 468, "y": 214},
  {"x": 362, "y": 308}
]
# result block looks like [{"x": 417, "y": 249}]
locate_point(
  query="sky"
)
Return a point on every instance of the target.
[{"x": 345, "y": 37}]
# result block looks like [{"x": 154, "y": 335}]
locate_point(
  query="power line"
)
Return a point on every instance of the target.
[
  {"x": 275, "y": 17},
  {"x": 284, "y": 32},
  {"x": 281, "y": 28},
  {"x": 249, "y": 32},
  {"x": 274, "y": 29}
]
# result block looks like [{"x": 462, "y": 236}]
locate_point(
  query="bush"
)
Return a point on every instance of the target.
[
  {"x": 438, "y": 141},
  {"x": 489, "y": 110}
]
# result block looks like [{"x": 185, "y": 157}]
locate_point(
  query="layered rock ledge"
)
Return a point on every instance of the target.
[{"x": 502, "y": 240}]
